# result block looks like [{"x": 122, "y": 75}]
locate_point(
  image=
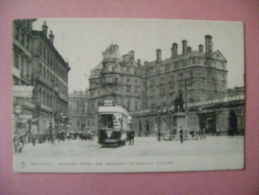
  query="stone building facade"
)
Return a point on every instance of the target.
[
  {"x": 78, "y": 110},
  {"x": 37, "y": 63},
  {"x": 118, "y": 78},
  {"x": 154, "y": 88}
]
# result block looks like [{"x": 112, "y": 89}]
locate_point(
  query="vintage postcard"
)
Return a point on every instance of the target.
[{"x": 127, "y": 95}]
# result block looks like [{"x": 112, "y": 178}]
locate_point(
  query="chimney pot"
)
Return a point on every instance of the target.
[
  {"x": 184, "y": 42},
  {"x": 158, "y": 55},
  {"x": 132, "y": 55},
  {"x": 51, "y": 37},
  {"x": 201, "y": 48},
  {"x": 174, "y": 50},
  {"x": 45, "y": 28},
  {"x": 208, "y": 44},
  {"x": 139, "y": 62}
]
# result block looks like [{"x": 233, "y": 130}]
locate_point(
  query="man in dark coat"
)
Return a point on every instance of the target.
[
  {"x": 181, "y": 134},
  {"x": 131, "y": 137}
]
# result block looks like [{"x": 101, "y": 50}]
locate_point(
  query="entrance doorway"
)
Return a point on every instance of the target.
[
  {"x": 232, "y": 123},
  {"x": 207, "y": 121}
]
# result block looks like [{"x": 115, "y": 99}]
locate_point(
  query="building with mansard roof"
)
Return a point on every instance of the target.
[
  {"x": 192, "y": 75},
  {"x": 117, "y": 78}
]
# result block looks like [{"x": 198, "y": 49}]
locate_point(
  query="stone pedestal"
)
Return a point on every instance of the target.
[{"x": 179, "y": 122}]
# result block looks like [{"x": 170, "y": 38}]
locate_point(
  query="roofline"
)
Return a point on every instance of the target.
[{"x": 41, "y": 34}]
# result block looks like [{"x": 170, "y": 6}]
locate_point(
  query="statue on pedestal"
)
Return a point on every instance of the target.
[{"x": 179, "y": 102}]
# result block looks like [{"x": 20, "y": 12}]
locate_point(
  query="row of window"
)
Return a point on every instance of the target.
[
  {"x": 114, "y": 80},
  {"x": 107, "y": 90},
  {"x": 175, "y": 65},
  {"x": 46, "y": 98},
  {"x": 130, "y": 105},
  {"x": 22, "y": 36},
  {"x": 52, "y": 61},
  {"x": 188, "y": 75},
  {"x": 119, "y": 69},
  {"x": 23, "y": 63},
  {"x": 52, "y": 78}
]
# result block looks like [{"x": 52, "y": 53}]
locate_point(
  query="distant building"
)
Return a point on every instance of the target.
[
  {"x": 194, "y": 76},
  {"x": 78, "y": 110},
  {"x": 37, "y": 63}
]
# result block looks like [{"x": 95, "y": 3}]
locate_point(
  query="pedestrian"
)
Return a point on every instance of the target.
[
  {"x": 131, "y": 137},
  {"x": 51, "y": 133},
  {"x": 202, "y": 134},
  {"x": 181, "y": 134}
]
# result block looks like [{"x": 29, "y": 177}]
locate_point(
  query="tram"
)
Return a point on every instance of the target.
[{"x": 114, "y": 124}]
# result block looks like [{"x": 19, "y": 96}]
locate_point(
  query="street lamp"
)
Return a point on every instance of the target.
[
  {"x": 186, "y": 85},
  {"x": 158, "y": 124}
]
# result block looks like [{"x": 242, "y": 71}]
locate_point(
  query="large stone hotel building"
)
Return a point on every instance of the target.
[{"x": 196, "y": 77}]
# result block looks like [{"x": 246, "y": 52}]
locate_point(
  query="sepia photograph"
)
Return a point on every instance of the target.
[{"x": 127, "y": 95}]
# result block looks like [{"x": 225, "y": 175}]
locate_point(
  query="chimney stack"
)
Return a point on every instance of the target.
[
  {"x": 174, "y": 50},
  {"x": 201, "y": 48},
  {"x": 132, "y": 53},
  {"x": 51, "y": 37},
  {"x": 208, "y": 44},
  {"x": 189, "y": 49},
  {"x": 45, "y": 28},
  {"x": 184, "y": 46},
  {"x": 139, "y": 62},
  {"x": 158, "y": 55}
]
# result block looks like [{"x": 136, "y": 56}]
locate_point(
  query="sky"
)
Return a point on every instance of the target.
[{"x": 81, "y": 42}]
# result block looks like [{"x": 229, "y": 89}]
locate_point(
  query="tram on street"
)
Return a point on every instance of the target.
[{"x": 113, "y": 126}]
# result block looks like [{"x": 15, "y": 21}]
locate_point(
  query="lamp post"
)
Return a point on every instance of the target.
[
  {"x": 169, "y": 111},
  {"x": 52, "y": 102},
  {"x": 158, "y": 124},
  {"x": 186, "y": 84},
  {"x": 186, "y": 109}
]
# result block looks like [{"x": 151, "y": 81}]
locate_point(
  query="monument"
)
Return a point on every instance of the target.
[{"x": 179, "y": 115}]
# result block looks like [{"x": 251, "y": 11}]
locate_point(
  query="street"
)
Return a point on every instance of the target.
[
  {"x": 143, "y": 147},
  {"x": 146, "y": 155}
]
